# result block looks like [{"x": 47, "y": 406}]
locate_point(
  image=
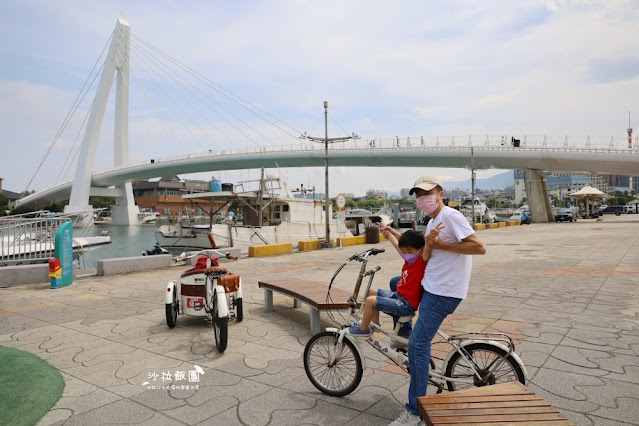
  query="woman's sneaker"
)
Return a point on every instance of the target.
[
  {"x": 407, "y": 419},
  {"x": 355, "y": 331}
]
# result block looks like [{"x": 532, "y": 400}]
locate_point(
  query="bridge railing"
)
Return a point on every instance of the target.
[
  {"x": 491, "y": 142},
  {"x": 28, "y": 240}
]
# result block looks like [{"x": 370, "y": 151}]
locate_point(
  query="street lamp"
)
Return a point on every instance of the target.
[{"x": 326, "y": 140}]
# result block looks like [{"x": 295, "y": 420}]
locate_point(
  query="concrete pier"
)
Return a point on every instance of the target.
[{"x": 567, "y": 292}]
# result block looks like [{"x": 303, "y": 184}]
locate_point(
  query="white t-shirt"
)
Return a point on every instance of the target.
[{"x": 448, "y": 273}]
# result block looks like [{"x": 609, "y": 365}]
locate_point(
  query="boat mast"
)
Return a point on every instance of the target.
[{"x": 262, "y": 183}]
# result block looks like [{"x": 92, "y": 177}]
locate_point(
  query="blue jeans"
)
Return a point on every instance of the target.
[
  {"x": 406, "y": 329},
  {"x": 432, "y": 312},
  {"x": 392, "y": 303}
]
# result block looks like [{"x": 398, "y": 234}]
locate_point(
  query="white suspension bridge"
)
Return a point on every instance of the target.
[{"x": 534, "y": 154}]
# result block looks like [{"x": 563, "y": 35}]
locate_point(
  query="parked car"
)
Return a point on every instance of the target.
[
  {"x": 617, "y": 210},
  {"x": 631, "y": 208},
  {"x": 565, "y": 214}
]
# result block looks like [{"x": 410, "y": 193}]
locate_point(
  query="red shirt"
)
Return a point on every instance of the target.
[{"x": 410, "y": 284}]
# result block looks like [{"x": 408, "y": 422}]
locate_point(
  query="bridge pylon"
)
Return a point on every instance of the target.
[
  {"x": 537, "y": 196},
  {"x": 124, "y": 212}
]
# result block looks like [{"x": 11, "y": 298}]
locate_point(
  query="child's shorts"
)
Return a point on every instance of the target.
[{"x": 392, "y": 303}]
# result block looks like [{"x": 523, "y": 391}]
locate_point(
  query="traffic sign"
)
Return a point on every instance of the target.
[
  {"x": 340, "y": 215},
  {"x": 340, "y": 201}
]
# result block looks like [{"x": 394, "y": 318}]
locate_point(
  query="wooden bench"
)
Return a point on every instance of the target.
[
  {"x": 312, "y": 293},
  {"x": 506, "y": 403}
]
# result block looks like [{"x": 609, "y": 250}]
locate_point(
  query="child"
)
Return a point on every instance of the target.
[{"x": 405, "y": 299}]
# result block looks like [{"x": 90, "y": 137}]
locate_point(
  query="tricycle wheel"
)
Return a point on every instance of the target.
[
  {"x": 172, "y": 310},
  {"x": 239, "y": 311},
  {"x": 220, "y": 329}
]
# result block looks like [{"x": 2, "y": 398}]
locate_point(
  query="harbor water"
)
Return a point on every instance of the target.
[{"x": 126, "y": 241}]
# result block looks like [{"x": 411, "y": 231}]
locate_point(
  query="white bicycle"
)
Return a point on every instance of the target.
[{"x": 334, "y": 361}]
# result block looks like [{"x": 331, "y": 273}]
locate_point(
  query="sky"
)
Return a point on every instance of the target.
[{"x": 409, "y": 68}]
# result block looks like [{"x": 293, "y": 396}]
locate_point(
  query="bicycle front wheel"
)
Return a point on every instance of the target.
[
  {"x": 340, "y": 378},
  {"x": 489, "y": 361}
]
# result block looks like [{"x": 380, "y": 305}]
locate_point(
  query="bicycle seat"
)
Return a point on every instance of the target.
[
  {"x": 211, "y": 270},
  {"x": 405, "y": 319}
]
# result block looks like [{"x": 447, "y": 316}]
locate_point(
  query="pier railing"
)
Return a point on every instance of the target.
[{"x": 26, "y": 241}]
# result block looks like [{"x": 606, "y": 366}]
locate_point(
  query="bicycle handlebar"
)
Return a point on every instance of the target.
[
  {"x": 207, "y": 253},
  {"x": 363, "y": 255}
]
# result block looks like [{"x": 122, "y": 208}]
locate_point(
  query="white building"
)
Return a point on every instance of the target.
[{"x": 376, "y": 193}]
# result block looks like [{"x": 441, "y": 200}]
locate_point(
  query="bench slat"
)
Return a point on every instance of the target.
[
  {"x": 526, "y": 423},
  {"x": 480, "y": 398},
  {"x": 441, "y": 420},
  {"x": 509, "y": 388},
  {"x": 495, "y": 411},
  {"x": 482, "y": 404}
]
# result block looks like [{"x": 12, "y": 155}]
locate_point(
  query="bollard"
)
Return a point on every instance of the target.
[{"x": 55, "y": 272}]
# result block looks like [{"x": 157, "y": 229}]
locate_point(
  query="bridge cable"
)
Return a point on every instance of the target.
[
  {"x": 72, "y": 110},
  {"x": 340, "y": 126},
  {"x": 75, "y": 141},
  {"x": 230, "y": 113},
  {"x": 230, "y": 123},
  {"x": 77, "y": 151},
  {"x": 191, "y": 105},
  {"x": 221, "y": 90},
  {"x": 154, "y": 107},
  {"x": 211, "y": 84},
  {"x": 210, "y": 108},
  {"x": 172, "y": 110}
]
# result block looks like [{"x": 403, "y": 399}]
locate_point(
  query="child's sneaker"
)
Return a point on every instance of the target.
[{"x": 355, "y": 331}]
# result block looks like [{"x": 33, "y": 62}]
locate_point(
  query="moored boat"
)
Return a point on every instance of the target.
[{"x": 270, "y": 214}]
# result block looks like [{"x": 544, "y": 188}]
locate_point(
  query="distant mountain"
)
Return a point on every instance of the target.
[{"x": 499, "y": 181}]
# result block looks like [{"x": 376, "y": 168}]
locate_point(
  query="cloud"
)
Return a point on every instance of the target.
[
  {"x": 410, "y": 69},
  {"x": 606, "y": 71}
]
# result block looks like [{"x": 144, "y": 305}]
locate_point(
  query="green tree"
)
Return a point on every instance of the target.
[
  {"x": 4, "y": 204},
  {"x": 101, "y": 202}
]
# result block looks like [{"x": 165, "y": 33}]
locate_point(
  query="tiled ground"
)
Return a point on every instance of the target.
[{"x": 567, "y": 293}]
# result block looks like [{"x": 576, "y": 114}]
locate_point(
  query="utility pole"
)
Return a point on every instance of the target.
[
  {"x": 326, "y": 140},
  {"x": 472, "y": 191}
]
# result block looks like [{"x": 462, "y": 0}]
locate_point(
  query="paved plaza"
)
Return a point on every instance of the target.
[{"x": 567, "y": 292}]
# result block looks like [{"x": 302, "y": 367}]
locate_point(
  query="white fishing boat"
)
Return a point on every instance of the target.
[
  {"x": 270, "y": 214},
  {"x": 482, "y": 212},
  {"x": 358, "y": 219},
  {"x": 147, "y": 216}
]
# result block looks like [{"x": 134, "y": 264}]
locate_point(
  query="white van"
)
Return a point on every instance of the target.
[{"x": 631, "y": 208}]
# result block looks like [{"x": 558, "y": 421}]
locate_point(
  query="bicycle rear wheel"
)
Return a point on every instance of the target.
[
  {"x": 344, "y": 375},
  {"x": 491, "y": 363}
]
